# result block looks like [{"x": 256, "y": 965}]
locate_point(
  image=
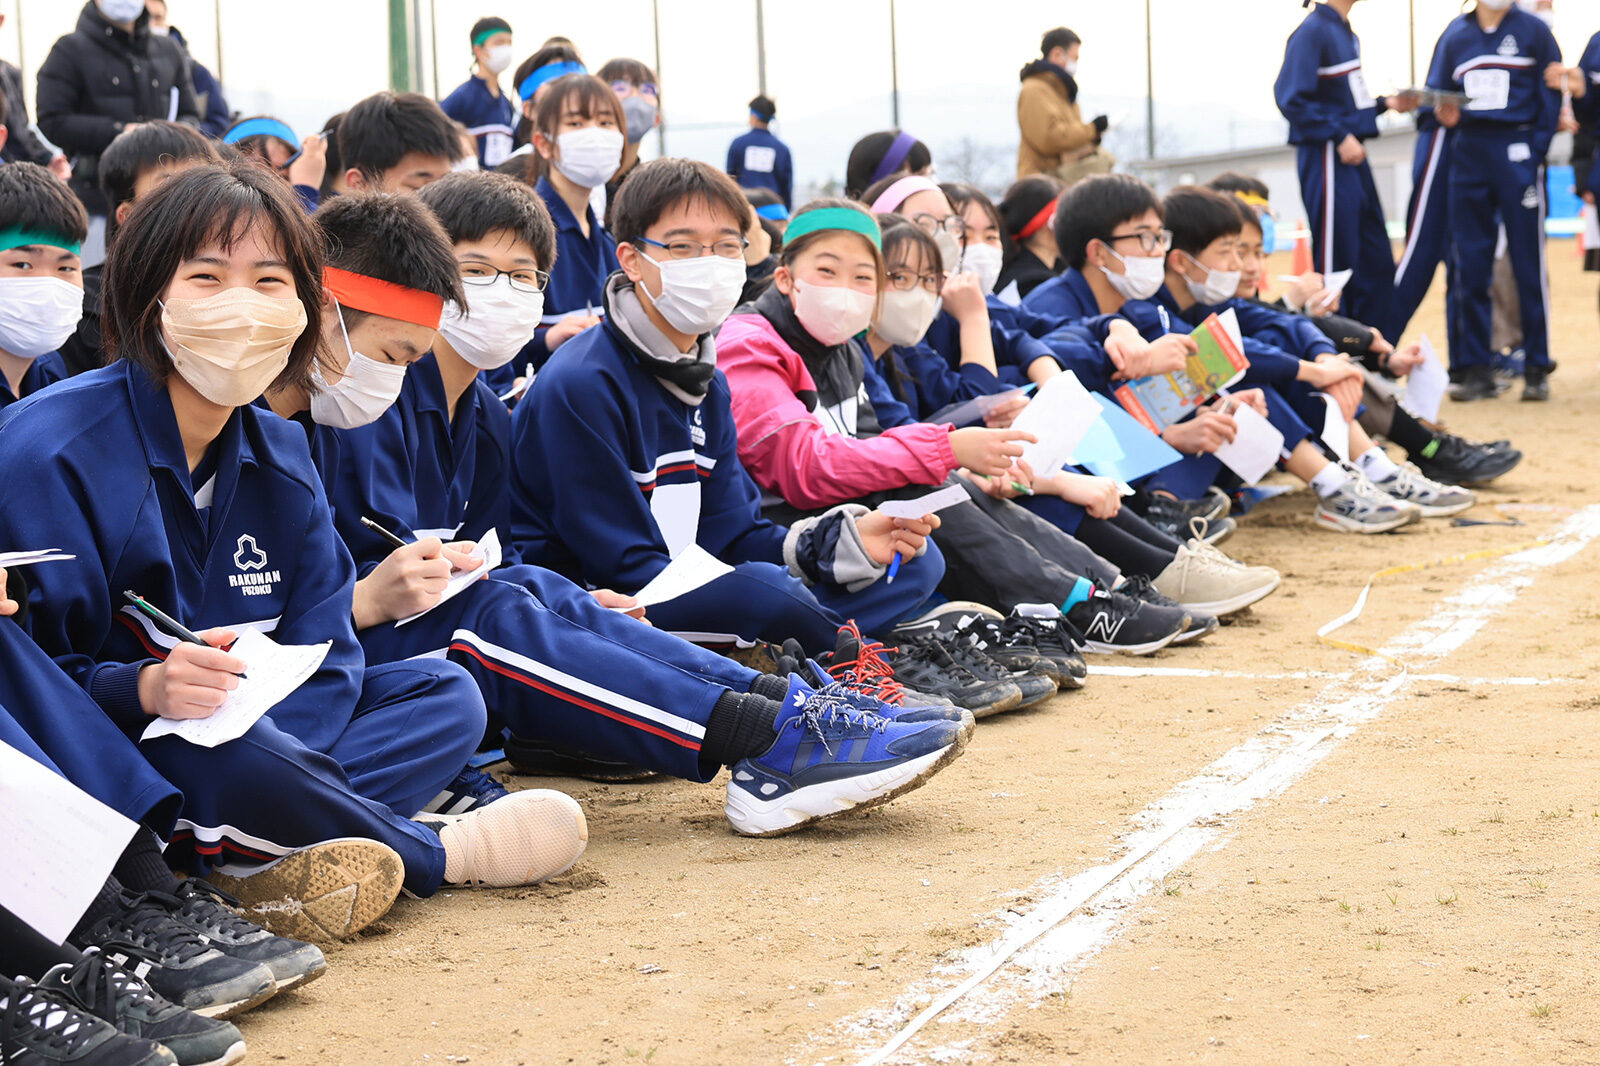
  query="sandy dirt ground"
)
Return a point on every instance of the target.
[{"x": 1426, "y": 892}]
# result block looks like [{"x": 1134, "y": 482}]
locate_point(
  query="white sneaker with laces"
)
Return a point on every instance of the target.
[
  {"x": 1434, "y": 498},
  {"x": 520, "y": 839},
  {"x": 1201, "y": 578},
  {"x": 1359, "y": 506}
]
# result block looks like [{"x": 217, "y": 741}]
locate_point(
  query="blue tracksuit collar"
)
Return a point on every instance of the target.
[
  {"x": 561, "y": 214},
  {"x": 1323, "y": 11},
  {"x": 163, "y": 445},
  {"x": 430, "y": 394},
  {"x": 1078, "y": 286}
]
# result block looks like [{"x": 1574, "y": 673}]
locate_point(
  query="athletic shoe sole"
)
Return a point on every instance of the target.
[
  {"x": 1437, "y": 511},
  {"x": 1010, "y": 702},
  {"x": 929, "y": 622},
  {"x": 321, "y": 894},
  {"x": 234, "y": 1053},
  {"x": 529, "y": 759},
  {"x": 1194, "y": 634},
  {"x": 1340, "y": 524},
  {"x": 1234, "y": 604},
  {"x": 753, "y": 817},
  {"x": 1095, "y": 647}
]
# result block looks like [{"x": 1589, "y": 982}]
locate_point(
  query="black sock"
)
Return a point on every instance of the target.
[
  {"x": 141, "y": 867},
  {"x": 771, "y": 686},
  {"x": 1413, "y": 436},
  {"x": 107, "y": 902},
  {"x": 24, "y": 952},
  {"x": 741, "y": 725}
]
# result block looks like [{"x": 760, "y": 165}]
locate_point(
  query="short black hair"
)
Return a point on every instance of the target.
[
  {"x": 1092, "y": 209},
  {"x": 392, "y": 238},
  {"x": 471, "y": 204},
  {"x": 869, "y": 152},
  {"x": 136, "y": 152},
  {"x": 1197, "y": 216},
  {"x": 654, "y": 187},
  {"x": 214, "y": 203},
  {"x": 764, "y": 107},
  {"x": 1060, "y": 37},
  {"x": 493, "y": 23},
  {"x": 1235, "y": 182},
  {"x": 31, "y": 199},
  {"x": 378, "y": 132},
  {"x": 335, "y": 167}
]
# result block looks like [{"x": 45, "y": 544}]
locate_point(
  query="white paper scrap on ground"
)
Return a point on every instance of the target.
[
  {"x": 1060, "y": 413},
  {"x": 272, "y": 672},
  {"x": 1425, "y": 384},
  {"x": 1255, "y": 447},
  {"x": 59, "y": 842},
  {"x": 1335, "y": 430},
  {"x": 693, "y": 568},
  {"x": 490, "y": 554},
  {"x": 933, "y": 501},
  {"x": 43, "y": 555}
]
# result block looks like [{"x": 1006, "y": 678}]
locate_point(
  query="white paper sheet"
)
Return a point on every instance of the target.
[
  {"x": 490, "y": 554},
  {"x": 272, "y": 671},
  {"x": 974, "y": 409},
  {"x": 691, "y": 569},
  {"x": 1426, "y": 383},
  {"x": 1230, "y": 322},
  {"x": 43, "y": 555},
  {"x": 1335, "y": 430},
  {"x": 1591, "y": 227},
  {"x": 1060, "y": 413},
  {"x": 59, "y": 844},
  {"x": 933, "y": 501},
  {"x": 1335, "y": 284},
  {"x": 1254, "y": 448}
]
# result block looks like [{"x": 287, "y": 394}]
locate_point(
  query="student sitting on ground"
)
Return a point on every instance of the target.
[
  {"x": 395, "y": 142},
  {"x": 1028, "y": 211},
  {"x": 42, "y": 229}
]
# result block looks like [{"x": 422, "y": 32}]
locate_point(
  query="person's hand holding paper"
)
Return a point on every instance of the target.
[
  {"x": 990, "y": 451},
  {"x": 192, "y": 682},
  {"x": 616, "y": 601}
]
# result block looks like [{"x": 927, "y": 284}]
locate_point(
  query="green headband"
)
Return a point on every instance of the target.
[
  {"x": 17, "y": 237},
  {"x": 484, "y": 35},
  {"x": 845, "y": 218}
]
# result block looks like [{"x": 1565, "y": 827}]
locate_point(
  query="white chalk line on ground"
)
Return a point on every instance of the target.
[
  {"x": 1063, "y": 931},
  {"x": 1318, "y": 675}
]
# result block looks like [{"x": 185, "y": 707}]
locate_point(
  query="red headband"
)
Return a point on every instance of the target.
[
  {"x": 383, "y": 298},
  {"x": 1037, "y": 221}
]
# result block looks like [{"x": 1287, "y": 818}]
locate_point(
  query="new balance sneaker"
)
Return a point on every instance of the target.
[
  {"x": 470, "y": 789},
  {"x": 142, "y": 936},
  {"x": 829, "y": 757},
  {"x": 924, "y": 663},
  {"x": 1200, "y": 625},
  {"x": 541, "y": 758},
  {"x": 980, "y": 664},
  {"x": 40, "y": 1028},
  {"x": 326, "y": 892},
  {"x": 528, "y": 837},
  {"x": 1116, "y": 623},
  {"x": 211, "y": 912},
  {"x": 1358, "y": 506},
  {"x": 1460, "y": 462},
  {"x": 114, "y": 995},
  {"x": 1204, "y": 581},
  {"x": 1042, "y": 622},
  {"x": 1433, "y": 499}
]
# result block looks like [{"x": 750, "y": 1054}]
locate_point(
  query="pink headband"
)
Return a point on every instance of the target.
[{"x": 903, "y": 190}]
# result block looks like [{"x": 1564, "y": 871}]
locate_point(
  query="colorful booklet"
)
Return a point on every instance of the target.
[{"x": 1158, "y": 402}]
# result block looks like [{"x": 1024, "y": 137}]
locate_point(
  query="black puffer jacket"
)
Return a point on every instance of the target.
[{"x": 98, "y": 79}]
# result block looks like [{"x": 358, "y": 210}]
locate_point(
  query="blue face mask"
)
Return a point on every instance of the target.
[{"x": 1269, "y": 231}]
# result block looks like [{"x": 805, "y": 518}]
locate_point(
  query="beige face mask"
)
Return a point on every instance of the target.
[{"x": 229, "y": 347}]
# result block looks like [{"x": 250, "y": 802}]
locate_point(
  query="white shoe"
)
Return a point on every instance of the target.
[
  {"x": 1434, "y": 498},
  {"x": 520, "y": 839},
  {"x": 1200, "y": 578},
  {"x": 1359, "y": 506}
]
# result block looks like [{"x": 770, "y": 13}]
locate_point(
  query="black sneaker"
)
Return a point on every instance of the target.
[
  {"x": 116, "y": 996},
  {"x": 1011, "y": 647},
  {"x": 861, "y": 665},
  {"x": 540, "y": 758},
  {"x": 1200, "y": 625},
  {"x": 1536, "y": 383},
  {"x": 1171, "y": 515},
  {"x": 941, "y": 621},
  {"x": 1111, "y": 622},
  {"x": 980, "y": 664},
  {"x": 1460, "y": 462},
  {"x": 40, "y": 1028},
  {"x": 176, "y": 961},
  {"x": 208, "y": 910},
  {"x": 1477, "y": 383},
  {"x": 925, "y": 664},
  {"x": 1051, "y": 639}
]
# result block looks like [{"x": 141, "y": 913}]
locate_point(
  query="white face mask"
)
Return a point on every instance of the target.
[
  {"x": 1071, "y": 68},
  {"x": 1547, "y": 16},
  {"x": 161, "y": 31},
  {"x": 588, "y": 157},
  {"x": 1220, "y": 286},
  {"x": 1495, "y": 5},
  {"x": 467, "y": 164},
  {"x": 499, "y": 58},
  {"x": 949, "y": 250},
  {"x": 833, "y": 313},
  {"x": 1141, "y": 278},
  {"x": 904, "y": 317},
  {"x": 698, "y": 294},
  {"x": 121, "y": 10},
  {"x": 985, "y": 261},
  {"x": 367, "y": 389},
  {"x": 500, "y": 322},
  {"x": 37, "y": 315}
]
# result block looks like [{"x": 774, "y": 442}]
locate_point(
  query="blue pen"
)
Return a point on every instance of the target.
[{"x": 894, "y": 568}]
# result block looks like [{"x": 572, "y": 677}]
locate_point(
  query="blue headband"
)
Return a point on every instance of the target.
[
  {"x": 773, "y": 212},
  {"x": 758, "y": 115},
  {"x": 256, "y": 127},
  {"x": 548, "y": 72}
]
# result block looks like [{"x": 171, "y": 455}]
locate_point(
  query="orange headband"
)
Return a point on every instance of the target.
[
  {"x": 1036, "y": 223},
  {"x": 383, "y": 298}
]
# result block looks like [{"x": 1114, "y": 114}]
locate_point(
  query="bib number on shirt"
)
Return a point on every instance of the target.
[
  {"x": 1487, "y": 90},
  {"x": 760, "y": 159},
  {"x": 496, "y": 148},
  {"x": 1358, "y": 91}
]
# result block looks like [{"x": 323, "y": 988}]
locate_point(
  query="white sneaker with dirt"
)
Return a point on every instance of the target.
[
  {"x": 1201, "y": 578},
  {"x": 1434, "y": 498},
  {"x": 520, "y": 839},
  {"x": 1359, "y": 506}
]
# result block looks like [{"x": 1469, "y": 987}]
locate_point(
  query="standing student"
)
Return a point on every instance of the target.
[
  {"x": 1323, "y": 92},
  {"x": 215, "y": 114},
  {"x": 1497, "y": 55},
  {"x": 1031, "y": 256},
  {"x": 479, "y": 103},
  {"x": 758, "y": 159},
  {"x": 158, "y": 475},
  {"x": 395, "y": 142},
  {"x": 42, "y": 227}
]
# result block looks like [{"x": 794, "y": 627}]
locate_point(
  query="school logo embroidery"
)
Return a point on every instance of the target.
[
  {"x": 253, "y": 578},
  {"x": 1530, "y": 198},
  {"x": 1509, "y": 46},
  {"x": 697, "y": 428}
]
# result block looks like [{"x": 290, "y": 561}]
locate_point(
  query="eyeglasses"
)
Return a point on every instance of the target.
[
  {"x": 904, "y": 280},
  {"x": 1151, "y": 242},
  {"x": 626, "y": 88},
  {"x": 525, "y": 280},
  {"x": 931, "y": 224},
  {"x": 727, "y": 248}
]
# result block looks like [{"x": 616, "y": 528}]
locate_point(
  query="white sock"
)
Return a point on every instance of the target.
[
  {"x": 1376, "y": 464},
  {"x": 1329, "y": 480}
]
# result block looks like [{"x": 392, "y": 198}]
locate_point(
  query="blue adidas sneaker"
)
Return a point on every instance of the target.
[
  {"x": 470, "y": 790},
  {"x": 832, "y": 756}
]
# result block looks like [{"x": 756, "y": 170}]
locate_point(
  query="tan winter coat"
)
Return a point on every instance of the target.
[{"x": 1053, "y": 130}]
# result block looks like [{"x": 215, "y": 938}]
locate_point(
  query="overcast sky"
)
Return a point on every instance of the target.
[{"x": 828, "y": 61}]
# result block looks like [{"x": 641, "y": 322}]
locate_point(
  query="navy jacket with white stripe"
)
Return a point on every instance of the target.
[
  {"x": 1321, "y": 88},
  {"x": 1502, "y": 73}
]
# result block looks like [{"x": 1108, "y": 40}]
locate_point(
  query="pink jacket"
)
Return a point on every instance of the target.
[{"x": 787, "y": 449}]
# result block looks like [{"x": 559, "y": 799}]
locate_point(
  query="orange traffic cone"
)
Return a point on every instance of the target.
[{"x": 1300, "y": 264}]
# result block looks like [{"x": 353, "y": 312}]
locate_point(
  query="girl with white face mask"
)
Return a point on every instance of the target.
[
  {"x": 41, "y": 278},
  {"x": 479, "y": 103}
]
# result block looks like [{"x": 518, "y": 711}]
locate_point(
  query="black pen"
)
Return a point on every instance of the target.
[
  {"x": 167, "y": 622},
  {"x": 384, "y": 533}
]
